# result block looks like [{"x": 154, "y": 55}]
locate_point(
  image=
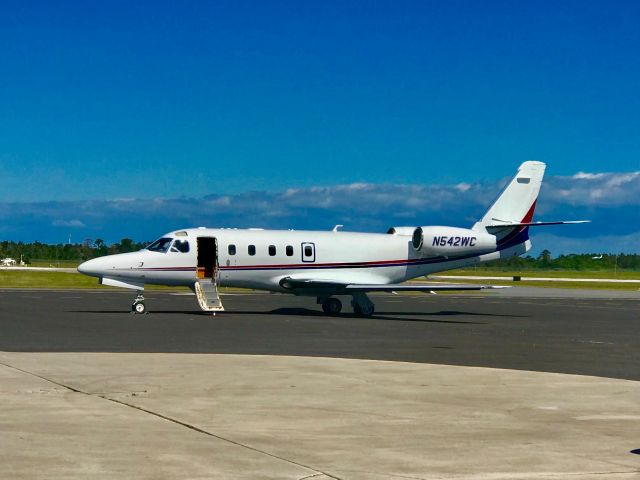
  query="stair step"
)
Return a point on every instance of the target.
[{"x": 208, "y": 297}]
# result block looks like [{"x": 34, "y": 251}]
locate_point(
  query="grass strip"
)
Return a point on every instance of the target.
[
  {"x": 491, "y": 272},
  {"x": 64, "y": 280}
]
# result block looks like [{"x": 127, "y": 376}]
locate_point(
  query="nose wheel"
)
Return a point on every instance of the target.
[{"x": 138, "y": 307}]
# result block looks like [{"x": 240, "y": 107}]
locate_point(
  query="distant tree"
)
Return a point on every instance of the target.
[
  {"x": 37, "y": 251},
  {"x": 126, "y": 245},
  {"x": 545, "y": 258},
  {"x": 100, "y": 248}
]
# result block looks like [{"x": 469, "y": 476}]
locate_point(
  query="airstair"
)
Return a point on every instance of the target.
[{"x": 208, "y": 296}]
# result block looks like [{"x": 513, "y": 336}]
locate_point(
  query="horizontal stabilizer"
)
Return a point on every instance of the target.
[{"x": 532, "y": 224}]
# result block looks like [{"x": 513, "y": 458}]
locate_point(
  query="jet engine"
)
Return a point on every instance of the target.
[
  {"x": 447, "y": 241},
  {"x": 452, "y": 241},
  {"x": 414, "y": 232}
]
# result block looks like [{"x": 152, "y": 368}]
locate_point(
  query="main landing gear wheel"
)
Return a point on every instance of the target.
[
  {"x": 366, "y": 311},
  {"x": 138, "y": 306},
  {"x": 362, "y": 305},
  {"x": 332, "y": 306}
]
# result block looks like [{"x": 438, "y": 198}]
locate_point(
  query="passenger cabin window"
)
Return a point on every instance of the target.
[
  {"x": 272, "y": 250},
  {"x": 180, "y": 246},
  {"x": 232, "y": 249},
  {"x": 308, "y": 252},
  {"x": 252, "y": 250},
  {"x": 289, "y": 250},
  {"x": 161, "y": 245}
]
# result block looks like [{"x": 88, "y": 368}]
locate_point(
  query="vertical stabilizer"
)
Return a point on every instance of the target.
[{"x": 517, "y": 201}]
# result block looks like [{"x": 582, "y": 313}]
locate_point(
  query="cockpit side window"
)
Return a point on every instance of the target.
[
  {"x": 161, "y": 245},
  {"x": 180, "y": 246}
]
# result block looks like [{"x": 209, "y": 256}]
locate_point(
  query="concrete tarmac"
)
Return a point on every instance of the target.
[{"x": 89, "y": 390}]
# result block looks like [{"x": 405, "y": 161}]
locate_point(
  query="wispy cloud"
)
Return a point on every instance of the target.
[
  {"x": 611, "y": 200},
  {"x": 598, "y": 189},
  {"x": 68, "y": 223}
]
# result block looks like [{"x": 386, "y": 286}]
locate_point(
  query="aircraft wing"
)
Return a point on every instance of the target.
[
  {"x": 340, "y": 286},
  {"x": 409, "y": 287}
]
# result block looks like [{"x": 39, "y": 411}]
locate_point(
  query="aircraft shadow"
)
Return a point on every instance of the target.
[{"x": 305, "y": 312}]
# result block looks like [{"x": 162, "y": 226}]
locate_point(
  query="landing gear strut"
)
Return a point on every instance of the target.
[
  {"x": 331, "y": 306},
  {"x": 138, "y": 306},
  {"x": 362, "y": 305}
]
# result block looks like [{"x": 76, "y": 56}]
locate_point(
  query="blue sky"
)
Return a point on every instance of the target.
[{"x": 182, "y": 100}]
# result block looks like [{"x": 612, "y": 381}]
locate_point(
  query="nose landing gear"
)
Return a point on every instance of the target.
[{"x": 138, "y": 306}]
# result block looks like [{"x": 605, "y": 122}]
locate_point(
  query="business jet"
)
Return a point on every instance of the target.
[
  {"x": 327, "y": 264},
  {"x": 7, "y": 262}
]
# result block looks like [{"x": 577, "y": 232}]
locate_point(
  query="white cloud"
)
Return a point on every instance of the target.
[
  {"x": 585, "y": 175},
  {"x": 68, "y": 223},
  {"x": 597, "y": 189},
  {"x": 358, "y": 186},
  {"x": 610, "y": 200},
  {"x": 221, "y": 202}
]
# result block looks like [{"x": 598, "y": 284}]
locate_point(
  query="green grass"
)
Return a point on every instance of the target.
[
  {"x": 509, "y": 274},
  {"x": 26, "y": 279},
  {"x": 40, "y": 279},
  {"x": 63, "y": 280},
  {"x": 490, "y": 272},
  {"x": 55, "y": 263},
  {"x": 550, "y": 284}
]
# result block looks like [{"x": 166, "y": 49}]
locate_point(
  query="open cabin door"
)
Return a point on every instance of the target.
[
  {"x": 207, "y": 257},
  {"x": 206, "y": 286}
]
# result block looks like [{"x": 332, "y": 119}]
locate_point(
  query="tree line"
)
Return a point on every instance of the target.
[
  {"x": 97, "y": 248},
  {"x": 37, "y": 251},
  {"x": 584, "y": 261}
]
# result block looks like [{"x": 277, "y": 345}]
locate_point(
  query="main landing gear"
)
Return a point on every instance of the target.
[
  {"x": 331, "y": 306},
  {"x": 362, "y": 305},
  {"x": 138, "y": 306}
]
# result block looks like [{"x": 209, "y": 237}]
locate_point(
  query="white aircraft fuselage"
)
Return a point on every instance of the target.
[
  {"x": 349, "y": 257},
  {"x": 327, "y": 263}
]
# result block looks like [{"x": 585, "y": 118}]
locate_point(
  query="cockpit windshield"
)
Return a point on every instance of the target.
[
  {"x": 161, "y": 245},
  {"x": 180, "y": 246}
]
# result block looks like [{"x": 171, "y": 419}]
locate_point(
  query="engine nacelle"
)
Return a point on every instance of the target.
[
  {"x": 452, "y": 241},
  {"x": 414, "y": 232},
  {"x": 404, "y": 231}
]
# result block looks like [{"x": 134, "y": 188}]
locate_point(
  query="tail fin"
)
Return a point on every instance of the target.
[{"x": 516, "y": 203}]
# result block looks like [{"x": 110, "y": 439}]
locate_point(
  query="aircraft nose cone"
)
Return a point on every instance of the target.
[{"x": 90, "y": 267}]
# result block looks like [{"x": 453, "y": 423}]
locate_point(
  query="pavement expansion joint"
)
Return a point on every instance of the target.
[
  {"x": 177, "y": 422},
  {"x": 210, "y": 434},
  {"x": 395, "y": 475},
  {"x": 315, "y": 475}
]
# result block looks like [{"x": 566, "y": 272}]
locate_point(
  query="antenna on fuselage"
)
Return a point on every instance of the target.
[{"x": 337, "y": 228}]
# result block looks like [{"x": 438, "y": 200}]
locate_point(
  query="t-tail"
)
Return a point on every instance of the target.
[{"x": 511, "y": 214}]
